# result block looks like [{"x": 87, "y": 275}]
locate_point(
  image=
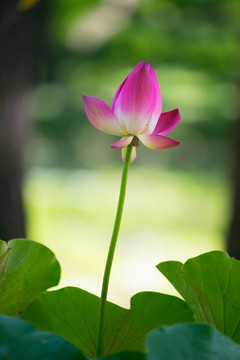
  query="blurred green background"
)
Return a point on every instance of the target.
[{"x": 178, "y": 200}]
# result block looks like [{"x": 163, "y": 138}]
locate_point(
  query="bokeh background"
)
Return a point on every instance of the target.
[{"x": 60, "y": 179}]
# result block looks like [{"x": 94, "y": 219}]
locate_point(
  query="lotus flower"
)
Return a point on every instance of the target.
[{"x": 135, "y": 114}]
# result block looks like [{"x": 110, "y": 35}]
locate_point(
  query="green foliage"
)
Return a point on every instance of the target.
[
  {"x": 26, "y": 269},
  {"x": 210, "y": 285},
  {"x": 73, "y": 314},
  {"x": 20, "y": 341},
  {"x": 187, "y": 342},
  {"x": 126, "y": 356},
  {"x": 65, "y": 13}
]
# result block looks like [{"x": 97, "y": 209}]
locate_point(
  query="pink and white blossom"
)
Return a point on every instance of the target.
[{"x": 136, "y": 113}]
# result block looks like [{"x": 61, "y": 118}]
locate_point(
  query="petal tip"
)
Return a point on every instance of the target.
[
  {"x": 100, "y": 115},
  {"x": 158, "y": 142},
  {"x": 84, "y": 97},
  {"x": 147, "y": 65},
  {"x": 122, "y": 143},
  {"x": 167, "y": 122}
]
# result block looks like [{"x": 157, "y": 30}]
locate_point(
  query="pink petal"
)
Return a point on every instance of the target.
[
  {"x": 136, "y": 101},
  {"x": 122, "y": 143},
  {"x": 133, "y": 154},
  {"x": 158, "y": 106},
  {"x": 101, "y": 116},
  {"x": 167, "y": 121},
  {"x": 158, "y": 141},
  {"x": 121, "y": 86}
]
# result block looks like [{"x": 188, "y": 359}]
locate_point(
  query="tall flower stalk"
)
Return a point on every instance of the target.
[
  {"x": 136, "y": 115},
  {"x": 111, "y": 251}
]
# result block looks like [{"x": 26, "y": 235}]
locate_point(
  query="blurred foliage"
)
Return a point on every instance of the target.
[
  {"x": 92, "y": 46},
  {"x": 26, "y": 4}
]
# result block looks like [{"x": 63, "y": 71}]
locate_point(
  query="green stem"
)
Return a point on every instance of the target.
[{"x": 108, "y": 266}]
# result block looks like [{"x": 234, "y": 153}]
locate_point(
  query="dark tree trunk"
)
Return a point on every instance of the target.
[
  {"x": 233, "y": 246},
  {"x": 20, "y": 33},
  {"x": 233, "y": 238}
]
